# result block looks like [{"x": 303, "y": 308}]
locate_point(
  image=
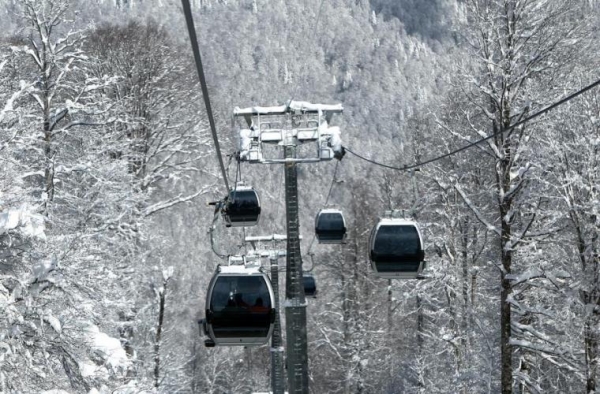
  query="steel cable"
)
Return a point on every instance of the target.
[
  {"x": 198, "y": 60},
  {"x": 472, "y": 144}
]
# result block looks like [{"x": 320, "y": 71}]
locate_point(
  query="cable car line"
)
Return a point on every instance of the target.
[
  {"x": 326, "y": 202},
  {"x": 198, "y": 60},
  {"x": 312, "y": 261},
  {"x": 472, "y": 144},
  {"x": 211, "y": 231},
  {"x": 332, "y": 182},
  {"x": 231, "y": 157},
  {"x": 238, "y": 178}
]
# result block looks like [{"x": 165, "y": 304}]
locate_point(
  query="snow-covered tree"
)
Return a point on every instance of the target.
[
  {"x": 518, "y": 47},
  {"x": 63, "y": 294},
  {"x": 571, "y": 149}
]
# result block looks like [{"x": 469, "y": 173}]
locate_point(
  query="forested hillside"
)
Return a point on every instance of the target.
[{"x": 107, "y": 165}]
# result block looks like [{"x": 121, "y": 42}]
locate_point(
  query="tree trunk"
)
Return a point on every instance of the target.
[
  {"x": 48, "y": 151},
  {"x": 590, "y": 338},
  {"x": 506, "y": 256},
  {"x": 161, "y": 315},
  {"x": 346, "y": 331},
  {"x": 505, "y": 322},
  {"x": 420, "y": 328}
]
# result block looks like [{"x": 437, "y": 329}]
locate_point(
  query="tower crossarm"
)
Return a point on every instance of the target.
[{"x": 297, "y": 122}]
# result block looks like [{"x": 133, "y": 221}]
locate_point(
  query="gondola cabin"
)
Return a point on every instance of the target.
[
  {"x": 310, "y": 285},
  {"x": 330, "y": 226},
  {"x": 239, "y": 307},
  {"x": 242, "y": 207},
  {"x": 396, "y": 249}
]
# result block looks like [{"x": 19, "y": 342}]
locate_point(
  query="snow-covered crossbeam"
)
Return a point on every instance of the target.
[
  {"x": 274, "y": 237},
  {"x": 292, "y": 106},
  {"x": 298, "y": 122}
]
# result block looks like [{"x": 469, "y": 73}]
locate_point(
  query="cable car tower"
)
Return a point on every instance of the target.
[
  {"x": 277, "y": 357},
  {"x": 289, "y": 126}
]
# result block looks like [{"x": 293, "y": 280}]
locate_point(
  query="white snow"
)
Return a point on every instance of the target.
[
  {"x": 259, "y": 110},
  {"x": 87, "y": 369},
  {"x": 481, "y": 218},
  {"x": 304, "y": 105},
  {"x": 42, "y": 268},
  {"x": 68, "y": 170},
  {"x": 9, "y": 105},
  {"x": 131, "y": 388},
  {"x": 518, "y": 173},
  {"x": 22, "y": 219},
  {"x": 32, "y": 173},
  {"x": 525, "y": 276},
  {"x": 54, "y": 322},
  {"x": 332, "y": 135},
  {"x": 9, "y": 220},
  {"x": 336, "y": 140},
  {"x": 168, "y": 272},
  {"x": 239, "y": 269},
  {"x": 294, "y": 105},
  {"x": 292, "y": 303},
  {"x": 109, "y": 348},
  {"x": 245, "y": 142}
]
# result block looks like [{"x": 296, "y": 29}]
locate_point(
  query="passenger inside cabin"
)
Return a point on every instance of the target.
[{"x": 259, "y": 306}]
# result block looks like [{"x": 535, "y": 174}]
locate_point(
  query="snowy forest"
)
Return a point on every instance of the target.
[{"x": 107, "y": 165}]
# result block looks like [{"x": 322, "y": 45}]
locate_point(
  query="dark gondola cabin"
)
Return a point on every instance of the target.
[
  {"x": 330, "y": 226},
  {"x": 396, "y": 249},
  {"x": 242, "y": 207},
  {"x": 239, "y": 307},
  {"x": 309, "y": 284}
]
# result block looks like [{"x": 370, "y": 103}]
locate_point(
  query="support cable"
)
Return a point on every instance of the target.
[
  {"x": 472, "y": 144},
  {"x": 198, "y": 60},
  {"x": 229, "y": 165},
  {"x": 332, "y": 182},
  {"x": 212, "y": 230},
  {"x": 312, "y": 263},
  {"x": 325, "y": 205},
  {"x": 238, "y": 178}
]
